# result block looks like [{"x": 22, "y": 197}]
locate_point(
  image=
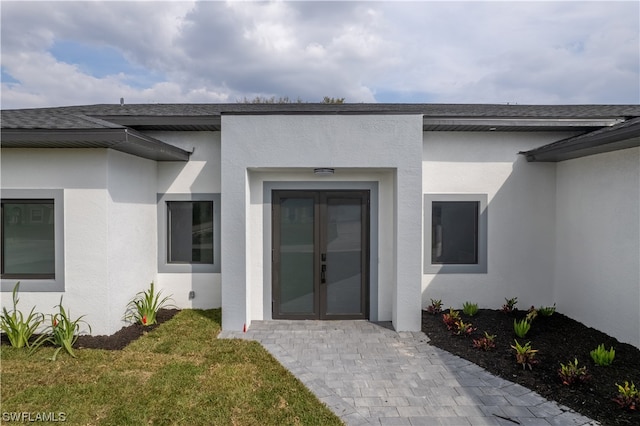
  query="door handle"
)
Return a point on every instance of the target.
[{"x": 323, "y": 274}]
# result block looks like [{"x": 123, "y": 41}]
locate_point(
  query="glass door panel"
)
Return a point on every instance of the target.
[
  {"x": 344, "y": 257},
  {"x": 297, "y": 256}
]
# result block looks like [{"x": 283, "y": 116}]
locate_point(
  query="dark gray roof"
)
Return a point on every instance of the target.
[
  {"x": 28, "y": 117},
  {"x": 23, "y": 126},
  {"x": 620, "y": 136}
]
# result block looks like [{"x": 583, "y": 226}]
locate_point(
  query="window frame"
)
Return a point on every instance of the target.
[
  {"x": 481, "y": 235},
  {"x": 164, "y": 266},
  {"x": 39, "y": 283}
]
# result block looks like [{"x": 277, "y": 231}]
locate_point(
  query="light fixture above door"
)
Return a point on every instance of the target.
[{"x": 323, "y": 171}]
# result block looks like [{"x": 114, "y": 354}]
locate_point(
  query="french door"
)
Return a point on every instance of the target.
[{"x": 320, "y": 254}]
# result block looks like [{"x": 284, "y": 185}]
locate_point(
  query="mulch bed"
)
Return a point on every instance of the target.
[
  {"x": 559, "y": 339},
  {"x": 120, "y": 339}
]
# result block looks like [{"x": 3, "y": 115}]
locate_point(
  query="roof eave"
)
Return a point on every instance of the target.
[
  {"x": 513, "y": 123},
  {"x": 588, "y": 144},
  {"x": 206, "y": 123},
  {"x": 123, "y": 140}
]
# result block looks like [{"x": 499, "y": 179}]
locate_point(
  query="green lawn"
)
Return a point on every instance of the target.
[{"x": 179, "y": 374}]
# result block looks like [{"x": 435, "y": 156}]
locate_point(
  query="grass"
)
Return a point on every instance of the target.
[{"x": 178, "y": 374}]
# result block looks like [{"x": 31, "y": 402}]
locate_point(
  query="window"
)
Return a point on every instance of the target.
[
  {"x": 188, "y": 233},
  {"x": 31, "y": 239},
  {"x": 28, "y": 244},
  {"x": 456, "y": 232}
]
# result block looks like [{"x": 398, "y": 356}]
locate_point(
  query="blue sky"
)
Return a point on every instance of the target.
[{"x": 71, "y": 53}]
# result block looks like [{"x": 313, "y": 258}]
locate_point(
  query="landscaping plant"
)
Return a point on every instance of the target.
[
  {"x": 521, "y": 327},
  {"x": 628, "y": 396},
  {"x": 18, "y": 328},
  {"x": 451, "y": 318},
  {"x": 470, "y": 308},
  {"x": 547, "y": 311},
  {"x": 462, "y": 328},
  {"x": 603, "y": 357},
  {"x": 63, "y": 332},
  {"x": 485, "y": 343},
  {"x": 571, "y": 373},
  {"x": 525, "y": 355},
  {"x": 510, "y": 306},
  {"x": 532, "y": 313},
  {"x": 144, "y": 307},
  {"x": 435, "y": 307}
]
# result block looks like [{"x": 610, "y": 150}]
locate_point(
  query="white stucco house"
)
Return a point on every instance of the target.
[{"x": 315, "y": 211}]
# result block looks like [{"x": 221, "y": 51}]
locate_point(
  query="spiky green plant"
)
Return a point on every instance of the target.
[
  {"x": 144, "y": 307},
  {"x": 521, "y": 328},
  {"x": 18, "y": 328},
  {"x": 470, "y": 308},
  {"x": 603, "y": 357},
  {"x": 63, "y": 332},
  {"x": 547, "y": 311}
]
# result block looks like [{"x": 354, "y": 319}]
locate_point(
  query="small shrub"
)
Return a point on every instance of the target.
[
  {"x": 462, "y": 328},
  {"x": 63, "y": 332},
  {"x": 18, "y": 329},
  {"x": 450, "y": 318},
  {"x": 470, "y": 308},
  {"x": 144, "y": 307},
  {"x": 628, "y": 396},
  {"x": 603, "y": 357},
  {"x": 485, "y": 343},
  {"x": 510, "y": 306},
  {"x": 571, "y": 373},
  {"x": 521, "y": 327},
  {"x": 547, "y": 311},
  {"x": 532, "y": 313},
  {"x": 436, "y": 307},
  {"x": 525, "y": 355}
]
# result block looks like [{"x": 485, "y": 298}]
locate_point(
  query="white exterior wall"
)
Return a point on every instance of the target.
[
  {"x": 520, "y": 212},
  {"x": 105, "y": 203},
  {"x": 131, "y": 229},
  {"x": 598, "y": 242},
  {"x": 201, "y": 174},
  {"x": 380, "y": 145}
]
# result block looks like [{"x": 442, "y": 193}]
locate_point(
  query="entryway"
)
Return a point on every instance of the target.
[{"x": 320, "y": 254}]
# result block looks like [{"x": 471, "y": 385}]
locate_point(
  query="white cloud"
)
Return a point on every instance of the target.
[{"x": 533, "y": 52}]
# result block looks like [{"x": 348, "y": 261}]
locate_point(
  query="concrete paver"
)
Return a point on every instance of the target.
[{"x": 368, "y": 374}]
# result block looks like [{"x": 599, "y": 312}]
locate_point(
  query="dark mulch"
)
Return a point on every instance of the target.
[
  {"x": 120, "y": 339},
  {"x": 559, "y": 339}
]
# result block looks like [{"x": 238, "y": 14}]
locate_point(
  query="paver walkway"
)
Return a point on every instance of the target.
[{"x": 369, "y": 374}]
